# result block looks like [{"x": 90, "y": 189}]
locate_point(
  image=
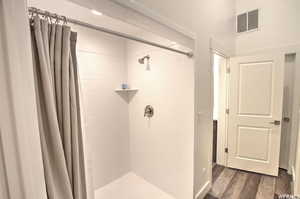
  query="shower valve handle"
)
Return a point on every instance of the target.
[{"x": 149, "y": 111}]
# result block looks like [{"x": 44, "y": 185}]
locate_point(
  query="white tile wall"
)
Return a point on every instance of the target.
[
  {"x": 161, "y": 148},
  {"x": 101, "y": 60}
]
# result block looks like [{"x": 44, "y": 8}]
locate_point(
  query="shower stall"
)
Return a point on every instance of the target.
[{"x": 137, "y": 104}]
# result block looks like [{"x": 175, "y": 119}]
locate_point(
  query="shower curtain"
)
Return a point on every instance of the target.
[{"x": 57, "y": 92}]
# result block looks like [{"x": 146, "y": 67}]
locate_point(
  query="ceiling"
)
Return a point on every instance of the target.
[
  {"x": 177, "y": 12},
  {"x": 75, "y": 11}
]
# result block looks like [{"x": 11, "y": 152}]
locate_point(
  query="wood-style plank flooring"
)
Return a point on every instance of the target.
[{"x": 235, "y": 184}]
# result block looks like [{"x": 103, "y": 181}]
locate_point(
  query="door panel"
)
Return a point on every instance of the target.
[
  {"x": 255, "y": 102},
  {"x": 255, "y": 99},
  {"x": 247, "y": 137}
]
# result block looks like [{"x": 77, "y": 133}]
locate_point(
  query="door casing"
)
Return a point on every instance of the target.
[{"x": 223, "y": 105}]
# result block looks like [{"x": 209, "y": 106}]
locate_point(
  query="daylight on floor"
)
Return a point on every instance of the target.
[{"x": 149, "y": 99}]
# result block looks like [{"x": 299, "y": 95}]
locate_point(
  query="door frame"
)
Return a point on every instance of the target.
[
  {"x": 223, "y": 106},
  {"x": 222, "y": 136},
  {"x": 288, "y": 142}
]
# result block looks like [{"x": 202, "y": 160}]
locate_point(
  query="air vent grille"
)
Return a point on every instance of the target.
[
  {"x": 247, "y": 21},
  {"x": 242, "y": 22},
  {"x": 253, "y": 20}
]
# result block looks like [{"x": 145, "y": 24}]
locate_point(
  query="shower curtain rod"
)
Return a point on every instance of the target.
[{"x": 105, "y": 30}]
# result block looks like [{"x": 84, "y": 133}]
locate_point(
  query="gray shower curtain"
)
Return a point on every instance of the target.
[{"x": 57, "y": 92}]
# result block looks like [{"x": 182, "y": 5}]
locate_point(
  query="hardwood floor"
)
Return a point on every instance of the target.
[{"x": 235, "y": 184}]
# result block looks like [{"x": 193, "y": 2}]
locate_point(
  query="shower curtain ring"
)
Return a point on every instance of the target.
[
  {"x": 65, "y": 20},
  {"x": 56, "y": 19},
  {"x": 47, "y": 14},
  {"x": 31, "y": 19},
  {"x": 33, "y": 11},
  {"x": 30, "y": 15}
]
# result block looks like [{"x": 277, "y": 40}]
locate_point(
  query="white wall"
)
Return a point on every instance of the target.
[
  {"x": 101, "y": 60},
  {"x": 278, "y": 25},
  {"x": 19, "y": 135},
  {"x": 162, "y": 148}
]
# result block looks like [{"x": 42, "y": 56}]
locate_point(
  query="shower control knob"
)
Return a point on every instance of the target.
[{"x": 149, "y": 111}]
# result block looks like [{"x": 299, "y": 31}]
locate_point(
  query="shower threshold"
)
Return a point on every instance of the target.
[{"x": 131, "y": 186}]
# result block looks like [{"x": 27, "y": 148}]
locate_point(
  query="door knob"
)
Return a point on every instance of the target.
[
  {"x": 276, "y": 122},
  {"x": 286, "y": 119}
]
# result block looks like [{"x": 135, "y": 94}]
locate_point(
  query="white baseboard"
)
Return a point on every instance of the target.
[{"x": 203, "y": 191}]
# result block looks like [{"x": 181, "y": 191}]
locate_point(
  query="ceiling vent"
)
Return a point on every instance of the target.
[{"x": 247, "y": 21}]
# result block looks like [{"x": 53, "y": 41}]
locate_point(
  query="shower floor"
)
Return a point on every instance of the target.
[{"x": 131, "y": 186}]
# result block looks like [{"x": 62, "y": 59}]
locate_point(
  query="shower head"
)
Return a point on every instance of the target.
[{"x": 142, "y": 60}]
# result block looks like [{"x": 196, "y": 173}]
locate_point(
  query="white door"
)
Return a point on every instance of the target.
[{"x": 255, "y": 112}]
